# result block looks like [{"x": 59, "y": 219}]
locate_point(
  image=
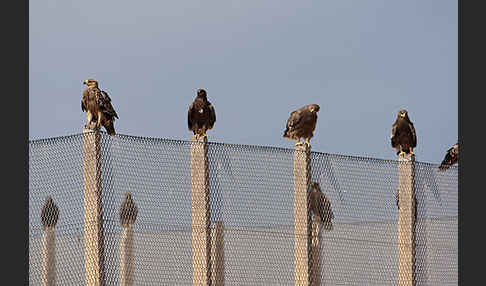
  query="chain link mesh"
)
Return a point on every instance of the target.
[{"x": 149, "y": 241}]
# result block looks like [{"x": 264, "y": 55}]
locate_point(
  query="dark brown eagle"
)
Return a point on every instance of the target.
[
  {"x": 321, "y": 206},
  {"x": 201, "y": 115},
  {"x": 49, "y": 213},
  {"x": 97, "y": 105},
  {"x": 451, "y": 157},
  {"x": 128, "y": 211},
  {"x": 403, "y": 137},
  {"x": 301, "y": 124}
]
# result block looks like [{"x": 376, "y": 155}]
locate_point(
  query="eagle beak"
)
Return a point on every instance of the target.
[{"x": 312, "y": 110}]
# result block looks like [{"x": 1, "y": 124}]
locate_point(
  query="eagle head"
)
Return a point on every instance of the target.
[
  {"x": 402, "y": 113},
  {"x": 314, "y": 108},
  {"x": 201, "y": 92},
  {"x": 90, "y": 82}
]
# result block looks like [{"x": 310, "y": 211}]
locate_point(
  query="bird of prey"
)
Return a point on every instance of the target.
[
  {"x": 451, "y": 157},
  {"x": 321, "y": 206},
  {"x": 49, "y": 213},
  {"x": 128, "y": 211},
  {"x": 403, "y": 137},
  {"x": 97, "y": 105},
  {"x": 201, "y": 115},
  {"x": 301, "y": 124}
]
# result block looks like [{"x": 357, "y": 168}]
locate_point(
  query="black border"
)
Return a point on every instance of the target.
[
  {"x": 471, "y": 52},
  {"x": 15, "y": 115}
]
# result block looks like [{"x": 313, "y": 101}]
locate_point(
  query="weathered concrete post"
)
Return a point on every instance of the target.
[
  {"x": 201, "y": 235},
  {"x": 316, "y": 252},
  {"x": 93, "y": 211},
  {"x": 49, "y": 217},
  {"x": 302, "y": 216},
  {"x": 406, "y": 220},
  {"x": 217, "y": 253},
  {"x": 128, "y": 215}
]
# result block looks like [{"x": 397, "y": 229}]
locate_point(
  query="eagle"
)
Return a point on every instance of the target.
[
  {"x": 451, "y": 158},
  {"x": 49, "y": 213},
  {"x": 301, "y": 124},
  {"x": 321, "y": 206},
  {"x": 97, "y": 105},
  {"x": 403, "y": 137},
  {"x": 201, "y": 115},
  {"x": 128, "y": 211}
]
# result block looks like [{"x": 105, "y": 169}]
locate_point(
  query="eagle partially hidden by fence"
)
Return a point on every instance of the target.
[
  {"x": 451, "y": 158},
  {"x": 49, "y": 213},
  {"x": 321, "y": 206},
  {"x": 128, "y": 211},
  {"x": 201, "y": 115},
  {"x": 97, "y": 105},
  {"x": 403, "y": 137},
  {"x": 301, "y": 124}
]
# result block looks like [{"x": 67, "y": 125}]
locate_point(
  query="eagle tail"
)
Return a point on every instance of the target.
[{"x": 110, "y": 128}]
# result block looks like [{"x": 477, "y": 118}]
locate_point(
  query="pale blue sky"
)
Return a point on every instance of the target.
[{"x": 360, "y": 60}]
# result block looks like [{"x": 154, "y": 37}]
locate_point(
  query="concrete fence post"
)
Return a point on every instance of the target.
[
  {"x": 302, "y": 216},
  {"x": 93, "y": 210},
  {"x": 201, "y": 235},
  {"x": 316, "y": 252},
  {"x": 49, "y": 217},
  {"x": 128, "y": 215},
  {"x": 217, "y": 253},
  {"x": 406, "y": 220}
]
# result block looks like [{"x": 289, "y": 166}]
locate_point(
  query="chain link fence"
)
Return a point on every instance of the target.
[{"x": 149, "y": 240}]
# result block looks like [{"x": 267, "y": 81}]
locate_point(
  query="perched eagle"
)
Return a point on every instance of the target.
[
  {"x": 451, "y": 157},
  {"x": 321, "y": 206},
  {"x": 301, "y": 124},
  {"x": 403, "y": 137},
  {"x": 128, "y": 211},
  {"x": 49, "y": 213},
  {"x": 201, "y": 115},
  {"x": 97, "y": 105}
]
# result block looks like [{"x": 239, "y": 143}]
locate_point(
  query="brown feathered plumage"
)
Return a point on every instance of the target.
[
  {"x": 98, "y": 107},
  {"x": 403, "y": 137},
  {"x": 128, "y": 211},
  {"x": 321, "y": 206},
  {"x": 451, "y": 158},
  {"x": 49, "y": 213},
  {"x": 302, "y": 123},
  {"x": 201, "y": 115}
]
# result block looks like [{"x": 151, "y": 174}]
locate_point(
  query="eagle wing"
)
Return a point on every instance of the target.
[
  {"x": 212, "y": 115},
  {"x": 394, "y": 135},
  {"x": 106, "y": 106},
  {"x": 413, "y": 134},
  {"x": 189, "y": 116},
  {"x": 451, "y": 157},
  {"x": 294, "y": 119},
  {"x": 84, "y": 100}
]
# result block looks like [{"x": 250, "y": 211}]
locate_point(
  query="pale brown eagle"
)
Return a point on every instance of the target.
[
  {"x": 201, "y": 115},
  {"x": 49, "y": 213},
  {"x": 301, "y": 124},
  {"x": 128, "y": 211},
  {"x": 451, "y": 157},
  {"x": 321, "y": 206},
  {"x": 97, "y": 105},
  {"x": 403, "y": 137}
]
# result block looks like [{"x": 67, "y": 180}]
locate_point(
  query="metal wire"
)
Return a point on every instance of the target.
[{"x": 251, "y": 192}]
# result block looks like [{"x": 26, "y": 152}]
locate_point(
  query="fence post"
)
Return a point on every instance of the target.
[
  {"x": 406, "y": 220},
  {"x": 302, "y": 216},
  {"x": 201, "y": 236},
  {"x": 128, "y": 215},
  {"x": 316, "y": 252},
  {"x": 217, "y": 253},
  {"x": 49, "y": 216},
  {"x": 93, "y": 210}
]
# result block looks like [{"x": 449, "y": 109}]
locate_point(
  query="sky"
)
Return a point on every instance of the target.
[{"x": 360, "y": 60}]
